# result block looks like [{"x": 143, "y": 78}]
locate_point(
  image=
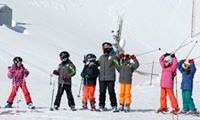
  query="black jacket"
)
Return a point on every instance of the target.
[{"x": 90, "y": 73}]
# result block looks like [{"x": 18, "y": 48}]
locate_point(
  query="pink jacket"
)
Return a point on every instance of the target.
[
  {"x": 17, "y": 74},
  {"x": 167, "y": 77}
]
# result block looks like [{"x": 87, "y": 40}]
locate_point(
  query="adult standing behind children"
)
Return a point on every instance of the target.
[{"x": 107, "y": 76}]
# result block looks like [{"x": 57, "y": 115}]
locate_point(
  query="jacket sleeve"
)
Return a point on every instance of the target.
[
  {"x": 174, "y": 64},
  {"x": 11, "y": 72},
  {"x": 83, "y": 72},
  {"x": 98, "y": 62},
  {"x": 135, "y": 64},
  {"x": 26, "y": 72},
  {"x": 162, "y": 63},
  {"x": 193, "y": 68},
  {"x": 180, "y": 68},
  {"x": 72, "y": 70},
  {"x": 116, "y": 62}
]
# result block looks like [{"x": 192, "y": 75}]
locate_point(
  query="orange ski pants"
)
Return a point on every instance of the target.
[
  {"x": 163, "y": 98},
  {"x": 88, "y": 93},
  {"x": 125, "y": 93}
]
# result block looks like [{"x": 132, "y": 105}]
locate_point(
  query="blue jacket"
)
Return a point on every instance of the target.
[{"x": 187, "y": 78}]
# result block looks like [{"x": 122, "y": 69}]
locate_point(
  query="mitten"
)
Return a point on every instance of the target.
[
  {"x": 173, "y": 55},
  {"x": 66, "y": 77},
  {"x": 191, "y": 61},
  {"x": 133, "y": 57},
  {"x": 121, "y": 55},
  {"x": 55, "y": 72},
  {"x": 166, "y": 54},
  {"x": 26, "y": 73},
  {"x": 183, "y": 60}
]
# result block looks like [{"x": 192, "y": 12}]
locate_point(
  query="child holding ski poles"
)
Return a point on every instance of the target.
[
  {"x": 17, "y": 72},
  {"x": 168, "y": 63},
  {"x": 66, "y": 70},
  {"x": 89, "y": 74},
  {"x": 128, "y": 64},
  {"x": 187, "y": 69}
]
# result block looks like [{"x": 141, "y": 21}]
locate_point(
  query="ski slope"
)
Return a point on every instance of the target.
[{"x": 44, "y": 28}]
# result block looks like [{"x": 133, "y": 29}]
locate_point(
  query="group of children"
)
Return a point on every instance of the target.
[
  {"x": 169, "y": 64},
  {"x": 104, "y": 68}
]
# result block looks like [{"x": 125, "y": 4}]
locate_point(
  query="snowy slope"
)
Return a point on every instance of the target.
[{"x": 43, "y": 28}]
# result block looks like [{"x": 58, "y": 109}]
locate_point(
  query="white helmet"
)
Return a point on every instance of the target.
[{"x": 168, "y": 60}]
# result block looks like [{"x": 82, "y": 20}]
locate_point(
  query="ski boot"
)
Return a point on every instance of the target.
[
  {"x": 114, "y": 109},
  {"x": 121, "y": 108},
  {"x": 192, "y": 112},
  {"x": 102, "y": 108},
  {"x": 84, "y": 106},
  {"x": 30, "y": 106},
  {"x": 162, "y": 110},
  {"x": 73, "y": 108},
  {"x": 183, "y": 111},
  {"x": 174, "y": 111},
  {"x": 127, "y": 108},
  {"x": 92, "y": 104},
  {"x": 56, "y": 107},
  {"x": 9, "y": 105}
]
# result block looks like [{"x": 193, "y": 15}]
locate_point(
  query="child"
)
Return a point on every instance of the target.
[
  {"x": 188, "y": 71},
  {"x": 17, "y": 72},
  {"x": 65, "y": 71},
  {"x": 168, "y": 63},
  {"x": 128, "y": 64},
  {"x": 89, "y": 74}
]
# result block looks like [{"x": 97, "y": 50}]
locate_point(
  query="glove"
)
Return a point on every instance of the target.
[
  {"x": 133, "y": 57},
  {"x": 166, "y": 54},
  {"x": 84, "y": 61},
  {"x": 26, "y": 73},
  {"x": 183, "y": 60},
  {"x": 66, "y": 77},
  {"x": 191, "y": 61},
  {"x": 55, "y": 72},
  {"x": 172, "y": 55},
  {"x": 121, "y": 55}
]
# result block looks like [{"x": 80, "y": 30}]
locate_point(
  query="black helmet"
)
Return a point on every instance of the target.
[
  {"x": 90, "y": 57},
  {"x": 64, "y": 54},
  {"x": 17, "y": 60},
  {"x": 106, "y": 44}
]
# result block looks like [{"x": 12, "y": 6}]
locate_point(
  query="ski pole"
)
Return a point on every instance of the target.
[
  {"x": 79, "y": 92},
  {"x": 191, "y": 49},
  {"x": 50, "y": 83},
  {"x": 176, "y": 88},
  {"x": 53, "y": 87},
  {"x": 148, "y": 52},
  {"x": 181, "y": 46},
  {"x": 196, "y": 57},
  {"x": 152, "y": 68}
]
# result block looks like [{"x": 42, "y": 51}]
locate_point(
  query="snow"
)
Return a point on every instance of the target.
[{"x": 43, "y": 28}]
